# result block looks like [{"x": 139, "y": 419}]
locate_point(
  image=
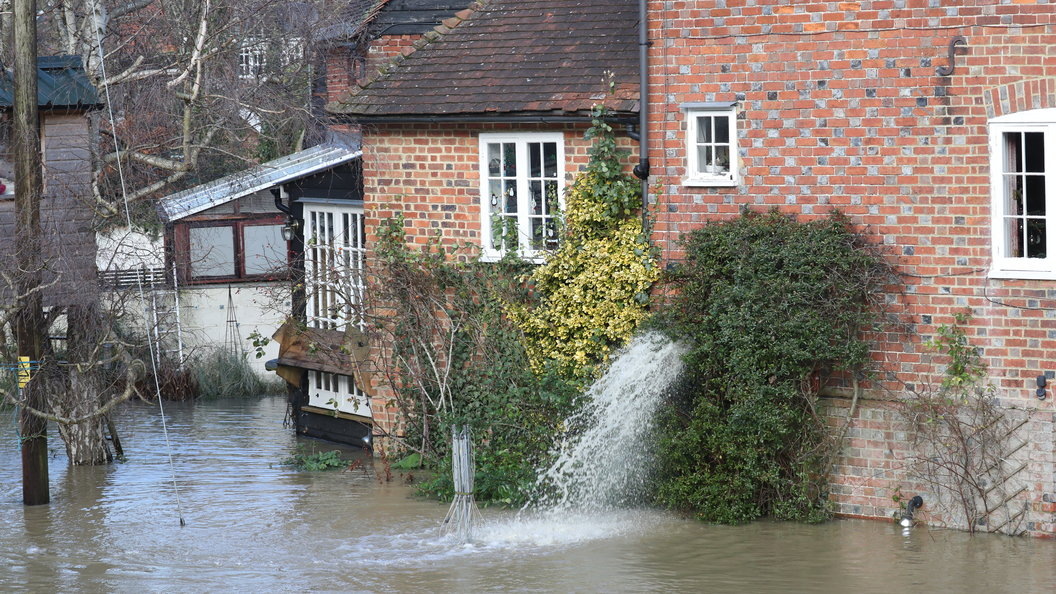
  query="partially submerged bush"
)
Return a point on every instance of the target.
[
  {"x": 766, "y": 305},
  {"x": 305, "y": 459}
]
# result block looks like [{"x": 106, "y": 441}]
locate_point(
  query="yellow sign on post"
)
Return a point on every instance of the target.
[{"x": 23, "y": 371}]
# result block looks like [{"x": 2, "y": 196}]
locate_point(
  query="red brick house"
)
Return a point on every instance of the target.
[
  {"x": 925, "y": 123},
  {"x": 933, "y": 126},
  {"x": 483, "y": 119}
]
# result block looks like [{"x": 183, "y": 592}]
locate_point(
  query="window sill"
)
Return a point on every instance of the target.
[
  {"x": 708, "y": 182},
  {"x": 533, "y": 258},
  {"x": 1021, "y": 274}
]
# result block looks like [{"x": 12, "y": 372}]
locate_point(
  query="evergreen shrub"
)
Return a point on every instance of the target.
[{"x": 767, "y": 305}]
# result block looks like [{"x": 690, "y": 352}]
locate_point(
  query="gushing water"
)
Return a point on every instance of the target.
[{"x": 604, "y": 461}]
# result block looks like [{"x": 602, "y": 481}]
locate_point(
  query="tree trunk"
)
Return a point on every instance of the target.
[{"x": 84, "y": 387}]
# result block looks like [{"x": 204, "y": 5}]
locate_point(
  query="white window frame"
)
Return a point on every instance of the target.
[
  {"x": 1004, "y": 265},
  {"x": 521, "y": 140},
  {"x": 337, "y": 392},
  {"x": 694, "y": 177},
  {"x": 252, "y": 58},
  {"x": 335, "y": 255}
]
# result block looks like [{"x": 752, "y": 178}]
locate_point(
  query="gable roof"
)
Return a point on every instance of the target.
[
  {"x": 266, "y": 175},
  {"x": 512, "y": 57},
  {"x": 61, "y": 84}
]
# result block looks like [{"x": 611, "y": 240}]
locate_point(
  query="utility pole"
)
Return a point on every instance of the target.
[{"x": 29, "y": 319}]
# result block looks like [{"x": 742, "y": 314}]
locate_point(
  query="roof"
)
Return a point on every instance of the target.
[
  {"x": 389, "y": 17},
  {"x": 526, "y": 57},
  {"x": 61, "y": 84},
  {"x": 266, "y": 175},
  {"x": 353, "y": 19}
]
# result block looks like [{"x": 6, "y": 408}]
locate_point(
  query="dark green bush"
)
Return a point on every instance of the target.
[{"x": 766, "y": 304}]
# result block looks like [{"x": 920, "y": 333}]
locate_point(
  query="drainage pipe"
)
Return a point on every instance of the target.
[
  {"x": 911, "y": 506},
  {"x": 641, "y": 170},
  {"x": 277, "y": 193}
]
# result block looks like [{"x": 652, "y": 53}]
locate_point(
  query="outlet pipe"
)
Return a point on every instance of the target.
[{"x": 911, "y": 506}]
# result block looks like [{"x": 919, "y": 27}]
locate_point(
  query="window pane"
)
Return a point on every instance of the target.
[
  {"x": 511, "y": 197},
  {"x": 264, "y": 248},
  {"x": 704, "y": 129},
  {"x": 536, "y": 188},
  {"x": 1013, "y": 237},
  {"x": 722, "y": 159},
  {"x": 1035, "y": 191},
  {"x": 704, "y": 159},
  {"x": 551, "y": 233},
  {"x": 550, "y": 159},
  {"x": 1013, "y": 151},
  {"x": 551, "y": 198},
  {"x": 722, "y": 129},
  {"x": 494, "y": 159},
  {"x": 212, "y": 251},
  {"x": 509, "y": 158},
  {"x": 495, "y": 193},
  {"x": 535, "y": 159},
  {"x": 1036, "y": 238},
  {"x": 1034, "y": 151},
  {"x": 1013, "y": 195}
]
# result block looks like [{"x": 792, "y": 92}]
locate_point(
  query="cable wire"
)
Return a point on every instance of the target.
[{"x": 152, "y": 345}]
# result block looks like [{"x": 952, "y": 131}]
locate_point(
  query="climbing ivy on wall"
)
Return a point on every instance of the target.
[
  {"x": 766, "y": 304},
  {"x": 593, "y": 292}
]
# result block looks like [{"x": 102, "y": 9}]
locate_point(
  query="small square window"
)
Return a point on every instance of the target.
[{"x": 711, "y": 147}]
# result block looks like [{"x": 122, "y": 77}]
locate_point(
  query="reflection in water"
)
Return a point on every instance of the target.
[{"x": 255, "y": 525}]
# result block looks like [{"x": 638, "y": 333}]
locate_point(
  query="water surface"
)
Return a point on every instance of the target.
[{"x": 254, "y": 525}]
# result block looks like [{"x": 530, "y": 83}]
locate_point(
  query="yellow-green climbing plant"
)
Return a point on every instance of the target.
[{"x": 594, "y": 290}]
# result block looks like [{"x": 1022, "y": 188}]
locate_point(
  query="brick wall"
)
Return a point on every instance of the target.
[
  {"x": 430, "y": 174},
  {"x": 383, "y": 49},
  {"x": 840, "y": 106}
]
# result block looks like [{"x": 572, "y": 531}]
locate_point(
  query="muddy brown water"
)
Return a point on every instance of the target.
[{"x": 254, "y": 525}]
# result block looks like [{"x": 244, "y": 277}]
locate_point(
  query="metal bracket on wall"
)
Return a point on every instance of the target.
[{"x": 952, "y": 51}]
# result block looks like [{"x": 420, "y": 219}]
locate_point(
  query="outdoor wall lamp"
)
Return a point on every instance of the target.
[{"x": 290, "y": 229}]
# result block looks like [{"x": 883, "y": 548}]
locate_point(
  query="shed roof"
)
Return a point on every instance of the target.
[
  {"x": 527, "y": 57},
  {"x": 61, "y": 84},
  {"x": 266, "y": 175}
]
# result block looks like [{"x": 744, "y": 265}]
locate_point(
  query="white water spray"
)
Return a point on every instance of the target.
[{"x": 604, "y": 462}]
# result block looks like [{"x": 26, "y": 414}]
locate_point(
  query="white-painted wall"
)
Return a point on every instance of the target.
[
  {"x": 259, "y": 307},
  {"x": 204, "y": 311}
]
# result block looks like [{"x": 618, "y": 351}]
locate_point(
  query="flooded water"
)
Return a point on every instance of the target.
[{"x": 255, "y": 525}]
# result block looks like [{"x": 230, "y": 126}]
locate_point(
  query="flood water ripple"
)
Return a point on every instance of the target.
[{"x": 255, "y": 525}]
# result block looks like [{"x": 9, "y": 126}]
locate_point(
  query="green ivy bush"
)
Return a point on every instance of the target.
[{"x": 766, "y": 304}]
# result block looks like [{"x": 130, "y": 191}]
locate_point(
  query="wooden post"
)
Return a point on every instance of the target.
[{"x": 29, "y": 319}]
